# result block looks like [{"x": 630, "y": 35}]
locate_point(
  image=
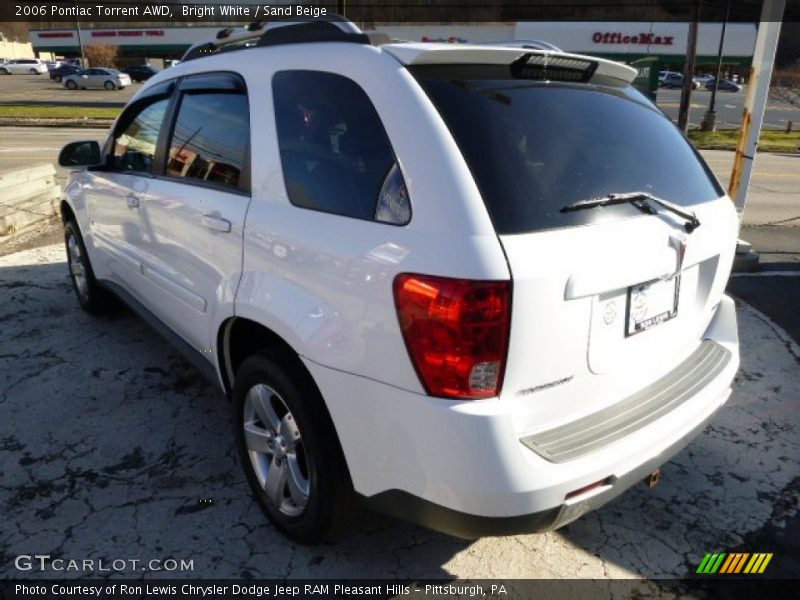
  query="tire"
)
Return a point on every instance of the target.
[
  {"x": 4, "y": 71},
  {"x": 291, "y": 442},
  {"x": 33, "y": 72},
  {"x": 71, "y": 85},
  {"x": 109, "y": 86},
  {"x": 92, "y": 298},
  {"x": 57, "y": 78}
]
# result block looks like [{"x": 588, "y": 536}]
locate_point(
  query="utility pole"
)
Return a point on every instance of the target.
[
  {"x": 688, "y": 70},
  {"x": 710, "y": 118},
  {"x": 756, "y": 100},
  {"x": 80, "y": 40}
]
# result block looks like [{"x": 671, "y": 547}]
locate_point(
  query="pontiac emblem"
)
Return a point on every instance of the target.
[{"x": 609, "y": 312}]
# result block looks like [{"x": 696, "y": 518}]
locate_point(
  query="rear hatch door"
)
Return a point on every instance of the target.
[{"x": 606, "y": 298}]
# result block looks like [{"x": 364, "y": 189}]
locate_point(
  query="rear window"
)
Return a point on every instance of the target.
[{"x": 534, "y": 147}]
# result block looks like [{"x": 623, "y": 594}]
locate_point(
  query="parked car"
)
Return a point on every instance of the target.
[
  {"x": 110, "y": 79},
  {"x": 59, "y": 73},
  {"x": 140, "y": 73},
  {"x": 701, "y": 80},
  {"x": 23, "y": 66},
  {"x": 662, "y": 75},
  {"x": 469, "y": 290},
  {"x": 675, "y": 80},
  {"x": 726, "y": 85}
]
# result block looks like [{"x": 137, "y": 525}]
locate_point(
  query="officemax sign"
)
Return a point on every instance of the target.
[{"x": 649, "y": 39}]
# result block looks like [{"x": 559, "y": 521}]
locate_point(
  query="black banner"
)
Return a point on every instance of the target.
[
  {"x": 732, "y": 587},
  {"x": 378, "y": 11}
]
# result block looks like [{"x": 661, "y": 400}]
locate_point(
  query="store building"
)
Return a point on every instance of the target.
[{"x": 624, "y": 41}]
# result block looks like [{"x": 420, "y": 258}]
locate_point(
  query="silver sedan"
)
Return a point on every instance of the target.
[{"x": 110, "y": 79}]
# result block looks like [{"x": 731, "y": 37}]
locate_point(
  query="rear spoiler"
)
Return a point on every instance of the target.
[{"x": 450, "y": 54}]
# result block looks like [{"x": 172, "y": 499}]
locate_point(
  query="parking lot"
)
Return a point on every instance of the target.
[
  {"x": 40, "y": 89},
  {"x": 729, "y": 107}
]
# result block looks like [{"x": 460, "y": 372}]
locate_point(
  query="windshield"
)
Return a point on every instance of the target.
[{"x": 534, "y": 147}]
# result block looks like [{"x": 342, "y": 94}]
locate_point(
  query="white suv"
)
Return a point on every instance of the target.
[
  {"x": 477, "y": 287},
  {"x": 23, "y": 66}
]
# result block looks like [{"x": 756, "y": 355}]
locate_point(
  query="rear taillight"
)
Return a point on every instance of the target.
[{"x": 456, "y": 332}]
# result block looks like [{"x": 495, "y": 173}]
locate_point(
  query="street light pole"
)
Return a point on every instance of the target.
[
  {"x": 688, "y": 70},
  {"x": 755, "y": 102},
  {"x": 710, "y": 118},
  {"x": 80, "y": 42}
]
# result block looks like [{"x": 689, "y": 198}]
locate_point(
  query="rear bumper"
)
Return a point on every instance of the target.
[
  {"x": 405, "y": 506},
  {"x": 464, "y": 467}
]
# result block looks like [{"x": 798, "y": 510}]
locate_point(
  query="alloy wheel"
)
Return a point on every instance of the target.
[
  {"x": 77, "y": 269},
  {"x": 276, "y": 450}
]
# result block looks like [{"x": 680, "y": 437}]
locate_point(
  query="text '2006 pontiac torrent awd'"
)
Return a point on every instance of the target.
[{"x": 476, "y": 287}]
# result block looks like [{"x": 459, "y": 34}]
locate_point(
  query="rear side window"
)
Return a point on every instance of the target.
[
  {"x": 210, "y": 138},
  {"x": 535, "y": 147},
  {"x": 335, "y": 153}
]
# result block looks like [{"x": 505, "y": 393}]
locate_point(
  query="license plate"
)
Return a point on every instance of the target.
[{"x": 651, "y": 303}]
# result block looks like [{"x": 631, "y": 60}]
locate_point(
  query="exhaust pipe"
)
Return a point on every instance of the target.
[{"x": 652, "y": 480}]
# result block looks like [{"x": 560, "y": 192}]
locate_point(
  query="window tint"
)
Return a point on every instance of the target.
[
  {"x": 335, "y": 154},
  {"x": 135, "y": 146},
  {"x": 536, "y": 147},
  {"x": 210, "y": 139}
]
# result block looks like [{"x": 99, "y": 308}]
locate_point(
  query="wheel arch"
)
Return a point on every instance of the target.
[
  {"x": 67, "y": 214},
  {"x": 240, "y": 337}
]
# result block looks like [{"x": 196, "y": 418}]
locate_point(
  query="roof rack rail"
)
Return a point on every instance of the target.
[{"x": 297, "y": 30}]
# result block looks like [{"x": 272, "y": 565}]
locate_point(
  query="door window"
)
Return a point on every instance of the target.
[{"x": 210, "y": 139}]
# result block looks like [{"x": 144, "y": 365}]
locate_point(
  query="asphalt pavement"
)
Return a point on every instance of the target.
[
  {"x": 40, "y": 89},
  {"x": 114, "y": 447},
  {"x": 728, "y": 107}
]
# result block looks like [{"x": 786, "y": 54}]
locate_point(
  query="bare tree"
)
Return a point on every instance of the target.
[{"x": 102, "y": 55}]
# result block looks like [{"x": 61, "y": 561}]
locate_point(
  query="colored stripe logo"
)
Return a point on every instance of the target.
[{"x": 734, "y": 563}]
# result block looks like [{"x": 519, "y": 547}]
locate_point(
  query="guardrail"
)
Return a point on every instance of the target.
[{"x": 27, "y": 196}]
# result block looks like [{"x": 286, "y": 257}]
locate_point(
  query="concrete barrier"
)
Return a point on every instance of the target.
[{"x": 27, "y": 195}]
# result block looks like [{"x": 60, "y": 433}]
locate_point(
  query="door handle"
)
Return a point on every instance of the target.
[
  {"x": 216, "y": 223},
  {"x": 132, "y": 200}
]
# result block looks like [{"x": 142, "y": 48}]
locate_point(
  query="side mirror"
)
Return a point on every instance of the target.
[{"x": 80, "y": 154}]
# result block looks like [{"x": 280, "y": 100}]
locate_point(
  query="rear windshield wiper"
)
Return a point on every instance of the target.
[{"x": 639, "y": 200}]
